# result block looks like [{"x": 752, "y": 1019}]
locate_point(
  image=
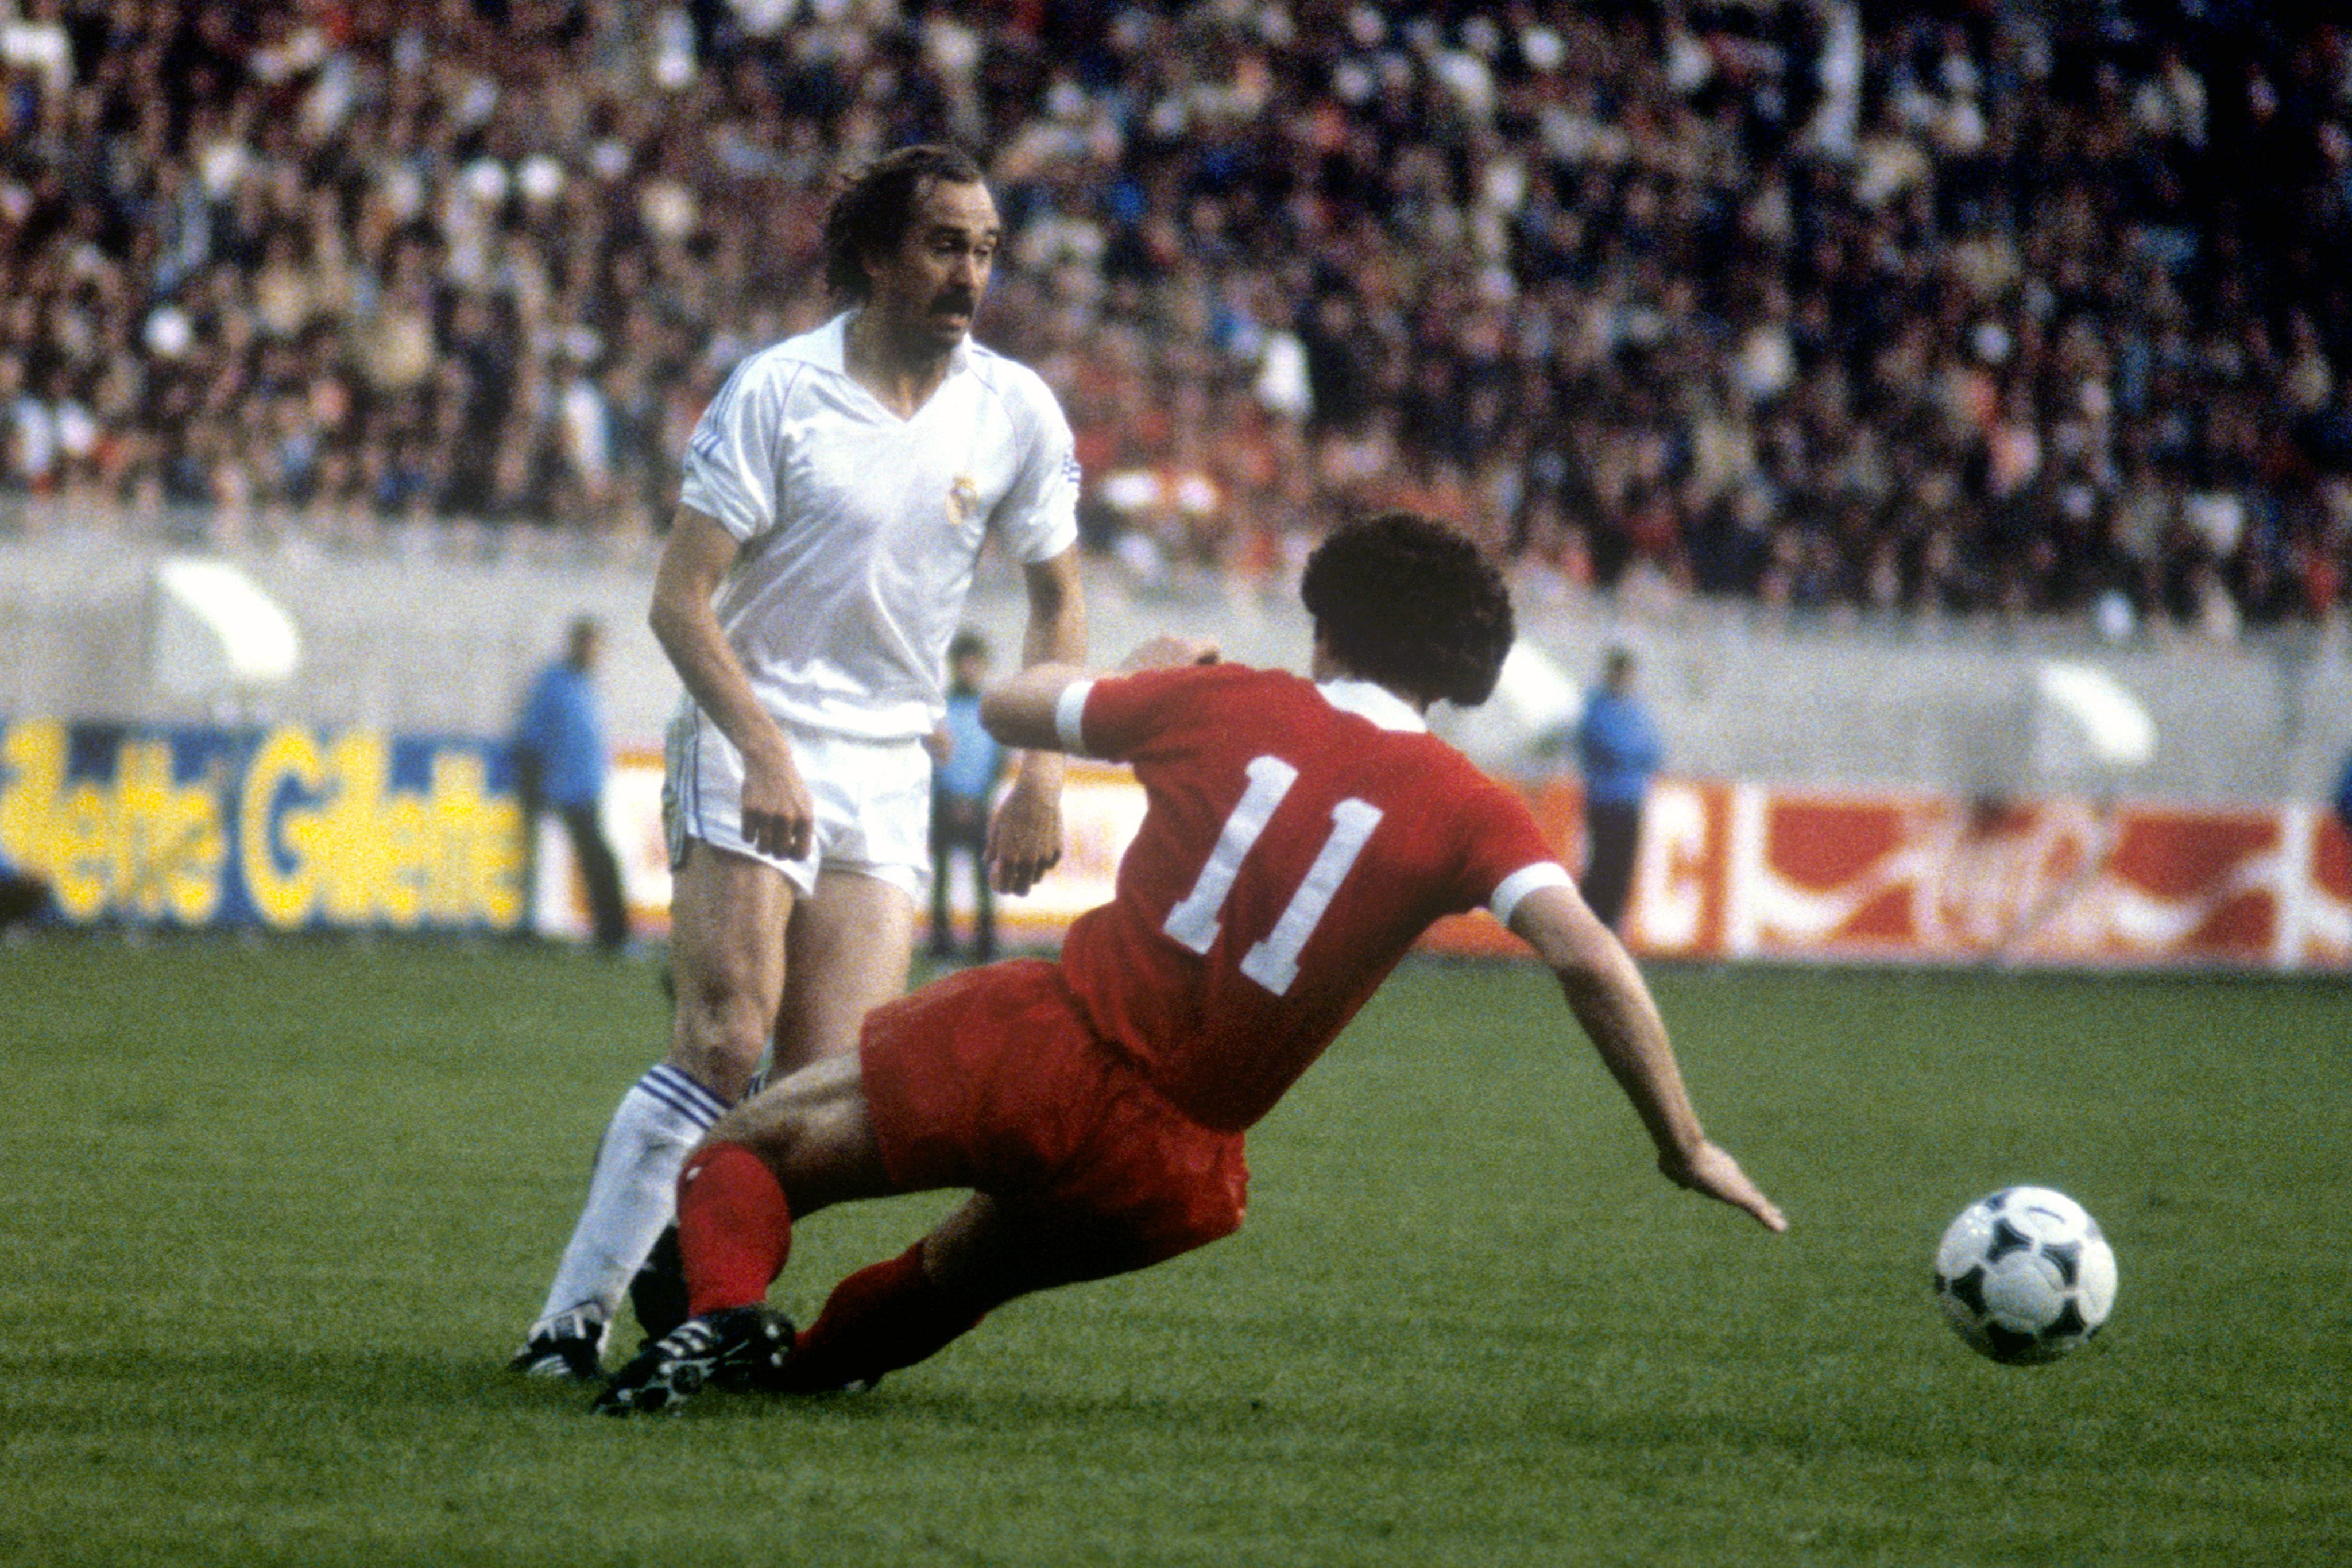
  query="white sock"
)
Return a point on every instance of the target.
[{"x": 634, "y": 1192}]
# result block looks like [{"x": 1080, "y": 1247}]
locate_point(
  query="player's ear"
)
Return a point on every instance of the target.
[{"x": 874, "y": 261}]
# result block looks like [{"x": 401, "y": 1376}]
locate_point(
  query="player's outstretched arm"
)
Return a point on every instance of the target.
[
  {"x": 1020, "y": 710},
  {"x": 1606, "y": 993}
]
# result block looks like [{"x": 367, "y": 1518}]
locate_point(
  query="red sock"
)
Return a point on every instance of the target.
[
  {"x": 876, "y": 1321},
  {"x": 734, "y": 1229}
]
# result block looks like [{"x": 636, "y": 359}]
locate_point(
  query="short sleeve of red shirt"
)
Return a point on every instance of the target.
[
  {"x": 1506, "y": 855},
  {"x": 1109, "y": 716}
]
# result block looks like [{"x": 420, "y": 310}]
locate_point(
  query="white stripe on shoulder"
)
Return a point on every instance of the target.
[
  {"x": 1523, "y": 882},
  {"x": 1067, "y": 710}
]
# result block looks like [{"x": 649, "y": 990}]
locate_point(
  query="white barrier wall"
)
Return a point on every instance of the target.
[{"x": 432, "y": 632}]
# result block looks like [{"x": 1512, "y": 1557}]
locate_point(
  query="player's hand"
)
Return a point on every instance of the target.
[
  {"x": 1171, "y": 653},
  {"x": 1024, "y": 836},
  {"x": 1715, "y": 1174},
  {"x": 779, "y": 816}
]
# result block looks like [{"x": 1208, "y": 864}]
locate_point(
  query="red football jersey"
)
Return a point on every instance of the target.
[{"x": 1297, "y": 840}]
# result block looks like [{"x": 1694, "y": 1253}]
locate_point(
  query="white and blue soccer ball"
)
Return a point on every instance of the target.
[{"x": 2024, "y": 1275}]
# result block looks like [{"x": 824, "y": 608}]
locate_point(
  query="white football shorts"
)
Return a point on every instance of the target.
[{"x": 873, "y": 801}]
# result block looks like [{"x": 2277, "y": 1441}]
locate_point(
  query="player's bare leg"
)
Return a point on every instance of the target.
[
  {"x": 800, "y": 1146},
  {"x": 729, "y": 918},
  {"x": 814, "y": 1133},
  {"x": 728, "y": 914},
  {"x": 848, "y": 946}
]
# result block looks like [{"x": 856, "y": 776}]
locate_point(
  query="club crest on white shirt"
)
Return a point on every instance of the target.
[{"x": 963, "y": 498}]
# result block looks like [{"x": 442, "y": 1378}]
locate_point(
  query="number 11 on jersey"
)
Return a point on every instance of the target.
[{"x": 1273, "y": 962}]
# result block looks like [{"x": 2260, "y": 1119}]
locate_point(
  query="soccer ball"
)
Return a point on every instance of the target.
[{"x": 2024, "y": 1275}]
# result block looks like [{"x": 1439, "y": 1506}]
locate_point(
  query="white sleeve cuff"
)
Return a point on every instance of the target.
[
  {"x": 722, "y": 504},
  {"x": 1523, "y": 882},
  {"x": 1068, "y": 709}
]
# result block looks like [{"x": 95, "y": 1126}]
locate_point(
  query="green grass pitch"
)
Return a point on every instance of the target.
[{"x": 275, "y": 1216}]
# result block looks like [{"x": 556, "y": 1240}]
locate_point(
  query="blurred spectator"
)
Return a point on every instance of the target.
[
  {"x": 1617, "y": 748},
  {"x": 560, "y": 760},
  {"x": 2006, "y": 308},
  {"x": 966, "y": 762}
]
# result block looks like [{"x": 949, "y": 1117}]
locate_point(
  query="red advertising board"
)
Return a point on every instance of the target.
[{"x": 1747, "y": 871}]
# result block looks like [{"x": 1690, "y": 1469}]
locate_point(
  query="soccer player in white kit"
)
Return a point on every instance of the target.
[{"x": 837, "y": 493}]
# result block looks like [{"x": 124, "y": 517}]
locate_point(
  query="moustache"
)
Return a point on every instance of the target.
[{"x": 955, "y": 304}]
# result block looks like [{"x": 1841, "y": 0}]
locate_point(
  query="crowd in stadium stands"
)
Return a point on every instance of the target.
[{"x": 2000, "y": 306}]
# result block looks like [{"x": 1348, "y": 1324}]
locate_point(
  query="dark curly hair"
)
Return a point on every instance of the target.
[
  {"x": 871, "y": 214},
  {"x": 1411, "y": 604}
]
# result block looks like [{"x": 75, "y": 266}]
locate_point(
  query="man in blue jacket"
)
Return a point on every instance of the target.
[
  {"x": 560, "y": 760},
  {"x": 1617, "y": 747},
  {"x": 966, "y": 762}
]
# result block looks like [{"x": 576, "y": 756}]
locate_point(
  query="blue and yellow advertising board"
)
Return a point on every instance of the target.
[{"x": 288, "y": 828}]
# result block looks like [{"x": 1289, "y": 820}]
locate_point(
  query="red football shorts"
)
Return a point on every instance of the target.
[{"x": 993, "y": 1080}]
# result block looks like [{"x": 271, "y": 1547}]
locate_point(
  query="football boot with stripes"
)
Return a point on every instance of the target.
[
  {"x": 742, "y": 1348},
  {"x": 569, "y": 1345}
]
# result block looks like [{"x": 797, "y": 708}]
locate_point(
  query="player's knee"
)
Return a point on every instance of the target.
[{"x": 719, "y": 1041}]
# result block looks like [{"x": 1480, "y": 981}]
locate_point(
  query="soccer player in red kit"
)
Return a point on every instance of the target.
[{"x": 1299, "y": 836}]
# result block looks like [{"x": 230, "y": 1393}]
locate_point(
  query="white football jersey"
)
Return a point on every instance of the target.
[{"x": 860, "y": 529}]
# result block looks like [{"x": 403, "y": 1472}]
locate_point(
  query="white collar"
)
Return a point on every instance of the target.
[
  {"x": 827, "y": 346},
  {"x": 1367, "y": 699}
]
